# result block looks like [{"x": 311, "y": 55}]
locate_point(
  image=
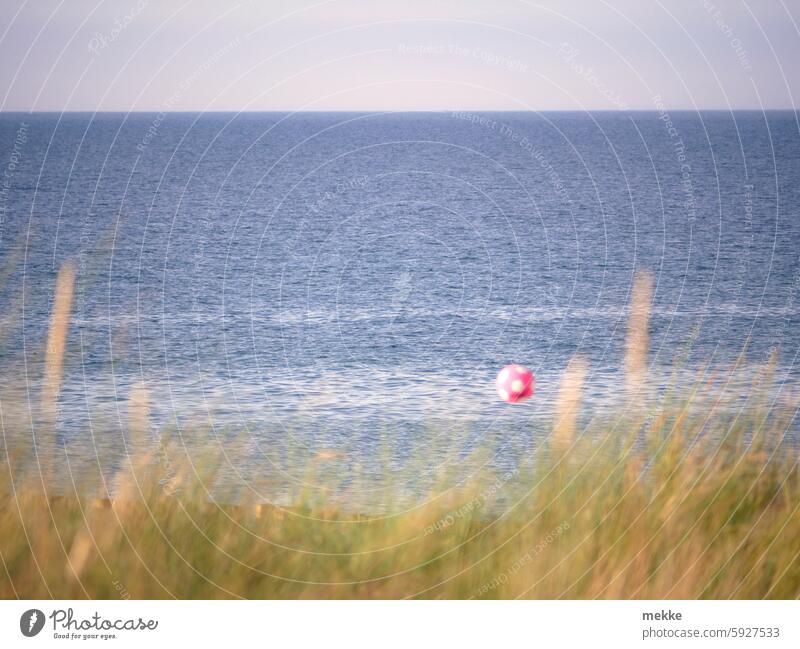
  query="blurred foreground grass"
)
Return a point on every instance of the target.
[{"x": 686, "y": 497}]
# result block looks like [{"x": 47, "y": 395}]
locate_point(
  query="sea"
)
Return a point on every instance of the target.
[{"x": 342, "y": 283}]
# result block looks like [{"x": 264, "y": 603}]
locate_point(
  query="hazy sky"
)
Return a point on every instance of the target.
[{"x": 403, "y": 55}]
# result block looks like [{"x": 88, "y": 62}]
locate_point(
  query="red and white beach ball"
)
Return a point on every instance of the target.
[{"x": 514, "y": 383}]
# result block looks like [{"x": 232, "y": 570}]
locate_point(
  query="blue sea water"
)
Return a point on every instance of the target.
[{"x": 341, "y": 278}]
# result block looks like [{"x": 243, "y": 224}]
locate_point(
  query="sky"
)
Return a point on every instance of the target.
[{"x": 151, "y": 55}]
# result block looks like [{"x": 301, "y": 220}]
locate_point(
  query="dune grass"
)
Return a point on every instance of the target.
[{"x": 684, "y": 496}]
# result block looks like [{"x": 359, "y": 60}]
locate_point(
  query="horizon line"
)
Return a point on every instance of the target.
[{"x": 411, "y": 110}]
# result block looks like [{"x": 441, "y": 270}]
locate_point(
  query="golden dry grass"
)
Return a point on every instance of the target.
[
  {"x": 57, "y": 338},
  {"x": 568, "y": 403},
  {"x": 665, "y": 517},
  {"x": 638, "y": 339}
]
